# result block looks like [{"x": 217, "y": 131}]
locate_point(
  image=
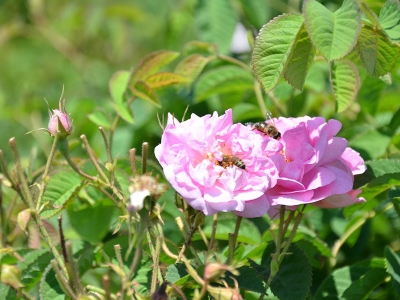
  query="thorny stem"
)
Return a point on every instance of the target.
[
  {"x": 73, "y": 270},
  {"x": 3, "y": 164},
  {"x": 156, "y": 268},
  {"x": 93, "y": 157},
  {"x": 213, "y": 231},
  {"x": 145, "y": 149},
  {"x": 132, "y": 160},
  {"x": 203, "y": 236},
  {"x": 234, "y": 236},
  {"x": 38, "y": 220},
  {"x": 118, "y": 255},
  {"x": 106, "y": 143},
  {"x": 62, "y": 239},
  {"x": 63, "y": 284},
  {"x": 287, "y": 223},
  {"x": 46, "y": 171},
  {"x": 106, "y": 286},
  {"x": 281, "y": 233}
]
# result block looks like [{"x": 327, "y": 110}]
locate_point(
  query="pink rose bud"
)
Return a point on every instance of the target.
[{"x": 60, "y": 122}]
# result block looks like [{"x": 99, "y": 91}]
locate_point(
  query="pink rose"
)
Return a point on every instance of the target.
[
  {"x": 315, "y": 167},
  {"x": 197, "y": 159}
]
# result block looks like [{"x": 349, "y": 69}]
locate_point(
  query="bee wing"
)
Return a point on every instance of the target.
[{"x": 268, "y": 118}]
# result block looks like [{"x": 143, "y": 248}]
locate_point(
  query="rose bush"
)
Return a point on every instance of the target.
[{"x": 190, "y": 154}]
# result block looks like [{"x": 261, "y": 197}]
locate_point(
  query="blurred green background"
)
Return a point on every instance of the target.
[{"x": 81, "y": 44}]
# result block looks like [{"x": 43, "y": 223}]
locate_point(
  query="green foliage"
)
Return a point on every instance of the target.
[{"x": 336, "y": 59}]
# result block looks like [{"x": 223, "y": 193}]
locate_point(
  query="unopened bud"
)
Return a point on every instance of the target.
[
  {"x": 11, "y": 275},
  {"x": 215, "y": 270},
  {"x": 60, "y": 122}
]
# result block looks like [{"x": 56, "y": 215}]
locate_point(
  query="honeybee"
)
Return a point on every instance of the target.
[
  {"x": 231, "y": 160},
  {"x": 266, "y": 127}
]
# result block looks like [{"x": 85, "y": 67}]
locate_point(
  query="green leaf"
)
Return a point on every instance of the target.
[
  {"x": 370, "y": 93},
  {"x": 257, "y": 11},
  {"x": 371, "y": 144},
  {"x": 118, "y": 85},
  {"x": 274, "y": 46},
  {"x": 177, "y": 273},
  {"x": 394, "y": 122},
  {"x": 190, "y": 67},
  {"x": 84, "y": 259},
  {"x": 61, "y": 190},
  {"x": 333, "y": 34},
  {"x": 143, "y": 91},
  {"x": 223, "y": 80},
  {"x": 49, "y": 287},
  {"x": 124, "y": 111},
  {"x": 380, "y": 185},
  {"x": 342, "y": 279},
  {"x": 247, "y": 279},
  {"x": 248, "y": 232},
  {"x": 300, "y": 59},
  {"x": 151, "y": 64},
  {"x": 82, "y": 221},
  {"x": 7, "y": 292},
  {"x": 372, "y": 17},
  {"x": 364, "y": 286},
  {"x": 345, "y": 83},
  {"x": 164, "y": 79},
  {"x": 384, "y": 166},
  {"x": 245, "y": 111},
  {"x": 389, "y": 18},
  {"x": 100, "y": 118},
  {"x": 392, "y": 261},
  {"x": 217, "y": 21},
  {"x": 293, "y": 280},
  {"x": 377, "y": 53},
  {"x": 202, "y": 48},
  {"x": 312, "y": 253},
  {"x": 33, "y": 267}
]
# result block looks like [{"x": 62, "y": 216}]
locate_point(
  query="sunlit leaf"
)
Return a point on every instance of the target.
[
  {"x": 273, "y": 47},
  {"x": 62, "y": 188},
  {"x": 164, "y": 79},
  {"x": 377, "y": 53},
  {"x": 345, "y": 83},
  {"x": 333, "y": 34},
  {"x": 124, "y": 111},
  {"x": 143, "y": 91},
  {"x": 342, "y": 279},
  {"x": 100, "y": 118},
  {"x": 118, "y": 85},
  {"x": 300, "y": 59},
  {"x": 389, "y": 18},
  {"x": 151, "y": 64},
  {"x": 33, "y": 267},
  {"x": 177, "y": 273},
  {"x": 223, "y": 80},
  {"x": 190, "y": 67}
]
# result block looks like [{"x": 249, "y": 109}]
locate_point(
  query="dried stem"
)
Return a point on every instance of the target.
[
  {"x": 93, "y": 157},
  {"x": 145, "y": 149},
  {"x": 106, "y": 143},
  {"x": 132, "y": 160}
]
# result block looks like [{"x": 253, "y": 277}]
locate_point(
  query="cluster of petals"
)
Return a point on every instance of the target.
[
  {"x": 190, "y": 154},
  {"x": 307, "y": 165},
  {"x": 315, "y": 167}
]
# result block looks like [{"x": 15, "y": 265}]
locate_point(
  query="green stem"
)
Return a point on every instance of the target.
[
  {"x": 46, "y": 171},
  {"x": 232, "y": 245},
  {"x": 73, "y": 270},
  {"x": 93, "y": 157},
  {"x": 100, "y": 291},
  {"x": 107, "y": 144},
  {"x": 260, "y": 98},
  {"x": 156, "y": 277},
  {"x": 235, "y": 61},
  {"x": 3, "y": 239},
  {"x": 213, "y": 232},
  {"x": 281, "y": 234},
  {"x": 339, "y": 243}
]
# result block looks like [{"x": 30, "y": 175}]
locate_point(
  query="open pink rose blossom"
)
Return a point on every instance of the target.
[
  {"x": 315, "y": 167},
  {"x": 191, "y": 154}
]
